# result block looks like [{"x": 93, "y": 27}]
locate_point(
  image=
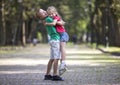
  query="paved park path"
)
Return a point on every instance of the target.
[{"x": 86, "y": 66}]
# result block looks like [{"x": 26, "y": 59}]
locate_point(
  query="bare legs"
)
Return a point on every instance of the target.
[
  {"x": 63, "y": 51},
  {"x": 55, "y": 67},
  {"x": 49, "y": 66},
  {"x": 62, "y": 67},
  {"x": 53, "y": 62}
]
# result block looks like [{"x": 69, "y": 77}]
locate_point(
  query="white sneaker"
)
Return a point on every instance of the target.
[{"x": 62, "y": 69}]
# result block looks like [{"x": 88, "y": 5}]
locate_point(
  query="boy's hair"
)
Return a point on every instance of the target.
[{"x": 37, "y": 13}]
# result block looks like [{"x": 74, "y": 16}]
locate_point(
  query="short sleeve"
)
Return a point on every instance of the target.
[
  {"x": 56, "y": 18},
  {"x": 48, "y": 19}
]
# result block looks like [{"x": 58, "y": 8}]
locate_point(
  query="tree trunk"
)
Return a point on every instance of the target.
[
  {"x": 117, "y": 27},
  {"x": 3, "y": 29},
  {"x": 0, "y": 22},
  {"x": 23, "y": 34}
]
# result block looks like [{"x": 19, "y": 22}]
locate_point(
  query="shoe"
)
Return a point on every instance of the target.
[
  {"x": 48, "y": 77},
  {"x": 62, "y": 69},
  {"x": 57, "y": 78}
]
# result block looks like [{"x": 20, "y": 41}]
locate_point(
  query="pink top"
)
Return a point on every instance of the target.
[{"x": 59, "y": 28}]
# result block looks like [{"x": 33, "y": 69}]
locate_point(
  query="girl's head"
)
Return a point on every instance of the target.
[{"x": 52, "y": 11}]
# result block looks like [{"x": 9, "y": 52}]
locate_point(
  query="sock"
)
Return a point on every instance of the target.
[{"x": 63, "y": 62}]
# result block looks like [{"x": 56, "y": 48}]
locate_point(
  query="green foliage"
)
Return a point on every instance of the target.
[
  {"x": 74, "y": 12},
  {"x": 104, "y": 21},
  {"x": 116, "y": 7}
]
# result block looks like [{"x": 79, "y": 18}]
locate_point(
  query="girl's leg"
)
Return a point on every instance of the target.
[{"x": 63, "y": 51}]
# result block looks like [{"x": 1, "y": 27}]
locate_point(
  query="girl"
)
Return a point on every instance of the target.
[{"x": 58, "y": 23}]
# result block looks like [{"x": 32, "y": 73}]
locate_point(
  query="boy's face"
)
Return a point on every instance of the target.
[{"x": 42, "y": 14}]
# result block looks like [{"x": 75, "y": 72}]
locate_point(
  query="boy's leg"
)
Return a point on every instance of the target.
[
  {"x": 55, "y": 69},
  {"x": 49, "y": 66},
  {"x": 55, "y": 66}
]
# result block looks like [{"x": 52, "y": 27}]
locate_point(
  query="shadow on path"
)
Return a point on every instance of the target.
[{"x": 112, "y": 53}]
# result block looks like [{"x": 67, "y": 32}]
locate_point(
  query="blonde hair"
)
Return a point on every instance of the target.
[{"x": 53, "y": 9}]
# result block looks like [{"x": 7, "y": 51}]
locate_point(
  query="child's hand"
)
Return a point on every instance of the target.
[
  {"x": 63, "y": 22},
  {"x": 44, "y": 22}
]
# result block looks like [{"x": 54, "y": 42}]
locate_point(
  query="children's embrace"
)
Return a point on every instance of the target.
[{"x": 58, "y": 38}]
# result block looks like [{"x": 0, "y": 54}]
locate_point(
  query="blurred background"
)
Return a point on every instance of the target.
[{"x": 87, "y": 21}]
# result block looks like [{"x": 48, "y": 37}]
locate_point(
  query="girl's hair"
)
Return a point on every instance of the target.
[{"x": 53, "y": 9}]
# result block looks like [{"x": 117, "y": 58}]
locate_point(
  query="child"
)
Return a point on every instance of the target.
[
  {"x": 63, "y": 35},
  {"x": 55, "y": 47}
]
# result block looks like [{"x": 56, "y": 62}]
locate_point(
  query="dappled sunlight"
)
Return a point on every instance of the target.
[
  {"x": 82, "y": 57},
  {"x": 21, "y": 72},
  {"x": 78, "y": 51},
  {"x": 88, "y": 66},
  {"x": 91, "y": 62},
  {"x": 83, "y": 63},
  {"x": 26, "y": 62}
]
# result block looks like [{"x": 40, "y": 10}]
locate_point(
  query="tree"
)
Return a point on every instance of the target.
[
  {"x": 3, "y": 25},
  {"x": 105, "y": 24},
  {"x": 98, "y": 18}
]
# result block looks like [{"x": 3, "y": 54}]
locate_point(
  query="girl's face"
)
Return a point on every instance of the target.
[{"x": 51, "y": 13}]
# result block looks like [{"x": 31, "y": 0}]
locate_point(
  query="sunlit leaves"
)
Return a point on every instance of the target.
[{"x": 116, "y": 7}]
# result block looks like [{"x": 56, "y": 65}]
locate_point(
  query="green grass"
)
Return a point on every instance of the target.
[
  {"x": 108, "y": 49},
  {"x": 112, "y": 49},
  {"x": 7, "y": 51}
]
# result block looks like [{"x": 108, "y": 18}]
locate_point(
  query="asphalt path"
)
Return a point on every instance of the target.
[{"x": 86, "y": 66}]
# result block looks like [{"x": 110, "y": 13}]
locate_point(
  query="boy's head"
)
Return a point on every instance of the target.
[{"x": 41, "y": 14}]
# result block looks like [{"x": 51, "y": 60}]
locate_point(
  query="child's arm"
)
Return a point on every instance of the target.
[
  {"x": 54, "y": 23},
  {"x": 60, "y": 22},
  {"x": 51, "y": 23}
]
